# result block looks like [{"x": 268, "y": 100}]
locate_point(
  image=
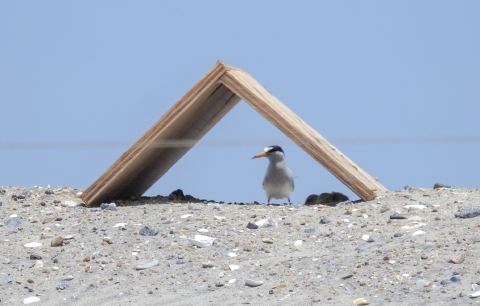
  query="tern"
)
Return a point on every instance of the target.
[{"x": 278, "y": 181}]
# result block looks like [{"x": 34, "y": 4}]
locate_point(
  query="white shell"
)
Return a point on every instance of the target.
[
  {"x": 232, "y": 280},
  {"x": 32, "y": 244},
  {"x": 185, "y": 216},
  {"x": 219, "y": 217},
  {"x": 202, "y": 241},
  {"x": 298, "y": 243},
  {"x": 120, "y": 225},
  {"x": 367, "y": 238},
  {"x": 31, "y": 299},
  {"x": 70, "y": 203},
  {"x": 474, "y": 295},
  {"x": 265, "y": 223},
  {"x": 203, "y": 230},
  {"x": 234, "y": 267},
  {"x": 231, "y": 254},
  {"x": 420, "y": 232},
  {"x": 253, "y": 283}
]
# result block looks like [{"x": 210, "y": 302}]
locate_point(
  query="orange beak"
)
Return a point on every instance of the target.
[{"x": 263, "y": 154}]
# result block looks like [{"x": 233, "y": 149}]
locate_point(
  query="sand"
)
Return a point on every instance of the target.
[{"x": 310, "y": 255}]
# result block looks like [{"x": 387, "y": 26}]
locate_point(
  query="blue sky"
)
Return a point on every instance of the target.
[{"x": 393, "y": 84}]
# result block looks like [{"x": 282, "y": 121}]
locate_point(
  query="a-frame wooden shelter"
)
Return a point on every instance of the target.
[{"x": 188, "y": 120}]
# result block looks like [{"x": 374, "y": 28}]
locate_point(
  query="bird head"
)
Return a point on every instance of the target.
[{"x": 270, "y": 152}]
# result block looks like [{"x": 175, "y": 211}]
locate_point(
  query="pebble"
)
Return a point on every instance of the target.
[
  {"x": 206, "y": 265},
  {"x": 398, "y": 235},
  {"x": 468, "y": 212},
  {"x": 417, "y": 233},
  {"x": 361, "y": 301},
  {"x": 32, "y": 244},
  {"x": 62, "y": 286},
  {"x": 395, "y": 216},
  {"x": 324, "y": 220},
  {"x": 56, "y": 242},
  {"x": 253, "y": 283},
  {"x": 367, "y": 238},
  {"x": 298, "y": 243},
  {"x": 309, "y": 230},
  {"x": 13, "y": 222},
  {"x": 108, "y": 206},
  {"x": 146, "y": 265},
  {"x": 68, "y": 278},
  {"x": 458, "y": 257},
  {"x": 148, "y": 231},
  {"x": 251, "y": 225},
  {"x": 38, "y": 264}
]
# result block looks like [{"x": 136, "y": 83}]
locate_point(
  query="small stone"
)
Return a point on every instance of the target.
[
  {"x": 468, "y": 212},
  {"x": 38, "y": 264},
  {"x": 180, "y": 261},
  {"x": 13, "y": 222},
  {"x": 324, "y": 220},
  {"x": 438, "y": 185},
  {"x": 309, "y": 230},
  {"x": 267, "y": 240},
  {"x": 253, "y": 283},
  {"x": 251, "y": 225},
  {"x": 62, "y": 286},
  {"x": 146, "y": 265},
  {"x": 367, "y": 238},
  {"x": 33, "y": 244},
  {"x": 86, "y": 258},
  {"x": 68, "y": 278},
  {"x": 427, "y": 283},
  {"x": 361, "y": 301},
  {"x": 56, "y": 242},
  {"x": 49, "y": 191},
  {"x": 35, "y": 257},
  {"x": 458, "y": 257},
  {"x": 30, "y": 281},
  {"x": 395, "y": 216},
  {"x": 108, "y": 206},
  {"x": 206, "y": 265},
  {"x": 398, "y": 235},
  {"x": 148, "y": 231},
  {"x": 417, "y": 233}
]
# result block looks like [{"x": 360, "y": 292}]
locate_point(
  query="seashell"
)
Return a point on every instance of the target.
[
  {"x": 474, "y": 295},
  {"x": 265, "y": 223},
  {"x": 367, "y": 238},
  {"x": 234, "y": 267},
  {"x": 232, "y": 281},
  {"x": 146, "y": 265},
  {"x": 31, "y": 299},
  {"x": 420, "y": 232},
  {"x": 298, "y": 243},
  {"x": 185, "y": 216},
  {"x": 219, "y": 217},
  {"x": 361, "y": 301},
  {"x": 231, "y": 254},
  {"x": 415, "y": 206},
  {"x": 202, "y": 241},
  {"x": 203, "y": 230},
  {"x": 33, "y": 244},
  {"x": 253, "y": 283},
  {"x": 38, "y": 264},
  {"x": 120, "y": 224}
]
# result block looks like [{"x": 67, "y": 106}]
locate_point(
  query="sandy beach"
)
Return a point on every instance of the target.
[{"x": 410, "y": 247}]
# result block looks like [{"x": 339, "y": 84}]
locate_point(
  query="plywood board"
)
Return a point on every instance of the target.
[{"x": 194, "y": 115}]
